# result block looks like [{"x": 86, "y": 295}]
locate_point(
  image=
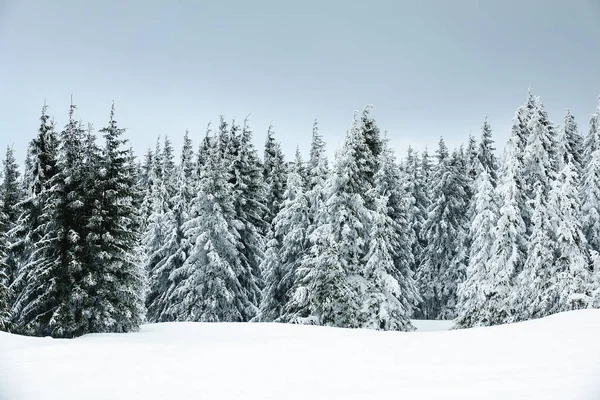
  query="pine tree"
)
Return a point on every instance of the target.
[
  {"x": 571, "y": 279},
  {"x": 539, "y": 157},
  {"x": 67, "y": 232},
  {"x": 590, "y": 185},
  {"x": 417, "y": 189},
  {"x": 11, "y": 196},
  {"x": 155, "y": 235},
  {"x": 573, "y": 145},
  {"x": 51, "y": 300},
  {"x": 391, "y": 295},
  {"x": 317, "y": 162},
  {"x": 317, "y": 172},
  {"x": 145, "y": 186},
  {"x": 249, "y": 204},
  {"x": 168, "y": 171},
  {"x": 590, "y": 143},
  {"x": 5, "y": 315},
  {"x": 274, "y": 176},
  {"x": 471, "y": 155},
  {"x": 370, "y": 131},
  {"x": 485, "y": 154},
  {"x": 115, "y": 281},
  {"x": 285, "y": 253},
  {"x": 508, "y": 251},
  {"x": 472, "y": 293},
  {"x": 535, "y": 281},
  {"x": 31, "y": 280},
  {"x": 213, "y": 284},
  {"x": 186, "y": 173},
  {"x": 445, "y": 232},
  {"x": 173, "y": 252},
  {"x": 331, "y": 287}
]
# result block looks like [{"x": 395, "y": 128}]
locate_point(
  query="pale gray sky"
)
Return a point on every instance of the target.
[{"x": 430, "y": 68}]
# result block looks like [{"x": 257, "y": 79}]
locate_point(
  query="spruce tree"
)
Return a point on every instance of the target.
[
  {"x": 213, "y": 284},
  {"x": 590, "y": 142},
  {"x": 391, "y": 294},
  {"x": 318, "y": 173},
  {"x": 416, "y": 187},
  {"x": 472, "y": 293},
  {"x": 485, "y": 154},
  {"x": 331, "y": 288},
  {"x": 445, "y": 232},
  {"x": 508, "y": 252},
  {"x": 573, "y": 145},
  {"x": 535, "y": 282},
  {"x": 572, "y": 278},
  {"x": 539, "y": 157},
  {"x": 31, "y": 284},
  {"x": 155, "y": 235},
  {"x": 471, "y": 155},
  {"x": 11, "y": 194},
  {"x": 374, "y": 143},
  {"x": 173, "y": 253},
  {"x": 590, "y": 186},
  {"x": 5, "y": 314},
  {"x": 249, "y": 203},
  {"x": 274, "y": 176},
  {"x": 287, "y": 246},
  {"x": 116, "y": 294},
  {"x": 50, "y": 303}
]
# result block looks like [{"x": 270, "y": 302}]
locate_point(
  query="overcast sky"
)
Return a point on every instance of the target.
[{"x": 430, "y": 68}]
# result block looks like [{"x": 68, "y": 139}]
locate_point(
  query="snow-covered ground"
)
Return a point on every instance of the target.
[{"x": 553, "y": 358}]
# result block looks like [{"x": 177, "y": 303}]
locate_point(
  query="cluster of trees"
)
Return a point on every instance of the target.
[{"x": 94, "y": 241}]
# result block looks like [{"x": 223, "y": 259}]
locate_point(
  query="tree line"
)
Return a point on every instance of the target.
[{"x": 94, "y": 240}]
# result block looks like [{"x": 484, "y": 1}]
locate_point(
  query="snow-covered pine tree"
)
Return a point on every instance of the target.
[
  {"x": 157, "y": 229},
  {"x": 145, "y": 188},
  {"x": 590, "y": 185},
  {"x": 186, "y": 173},
  {"x": 332, "y": 281},
  {"x": 67, "y": 232},
  {"x": 174, "y": 251},
  {"x": 114, "y": 280},
  {"x": 317, "y": 172},
  {"x": 11, "y": 195},
  {"x": 590, "y": 142},
  {"x": 30, "y": 284},
  {"x": 471, "y": 157},
  {"x": 417, "y": 189},
  {"x": 445, "y": 232},
  {"x": 485, "y": 153},
  {"x": 249, "y": 203},
  {"x": 274, "y": 176},
  {"x": 535, "y": 282},
  {"x": 374, "y": 144},
  {"x": 539, "y": 157},
  {"x": 5, "y": 314},
  {"x": 472, "y": 293},
  {"x": 508, "y": 251},
  {"x": 213, "y": 284},
  {"x": 573, "y": 145},
  {"x": 391, "y": 295},
  {"x": 571, "y": 278},
  {"x": 287, "y": 246},
  {"x": 317, "y": 169},
  {"x": 203, "y": 152},
  {"x": 169, "y": 171},
  {"x": 50, "y": 303}
]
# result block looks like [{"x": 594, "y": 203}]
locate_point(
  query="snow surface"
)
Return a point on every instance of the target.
[{"x": 557, "y": 357}]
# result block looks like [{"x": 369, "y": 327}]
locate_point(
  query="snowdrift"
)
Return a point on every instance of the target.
[{"x": 552, "y": 358}]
